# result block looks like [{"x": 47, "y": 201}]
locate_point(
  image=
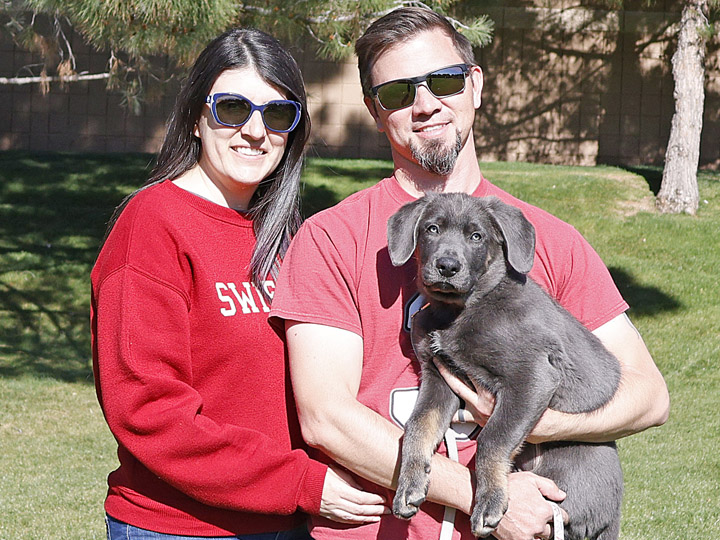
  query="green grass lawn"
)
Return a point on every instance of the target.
[{"x": 55, "y": 451}]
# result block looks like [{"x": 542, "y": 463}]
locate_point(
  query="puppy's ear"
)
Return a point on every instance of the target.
[
  {"x": 402, "y": 231},
  {"x": 518, "y": 233}
]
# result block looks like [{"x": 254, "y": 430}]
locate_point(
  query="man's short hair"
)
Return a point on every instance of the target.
[{"x": 401, "y": 25}]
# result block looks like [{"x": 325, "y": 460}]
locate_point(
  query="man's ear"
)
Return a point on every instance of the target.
[
  {"x": 476, "y": 77},
  {"x": 371, "y": 107}
]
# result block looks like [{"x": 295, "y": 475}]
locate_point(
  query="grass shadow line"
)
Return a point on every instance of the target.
[
  {"x": 652, "y": 175},
  {"x": 643, "y": 299}
]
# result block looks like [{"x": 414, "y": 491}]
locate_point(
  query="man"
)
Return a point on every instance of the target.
[{"x": 345, "y": 308}]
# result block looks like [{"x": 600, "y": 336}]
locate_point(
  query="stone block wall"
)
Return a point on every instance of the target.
[{"x": 585, "y": 86}]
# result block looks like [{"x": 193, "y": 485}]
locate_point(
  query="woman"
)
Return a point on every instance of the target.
[{"x": 190, "y": 377}]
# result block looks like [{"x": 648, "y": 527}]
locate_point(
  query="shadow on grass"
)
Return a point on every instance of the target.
[
  {"x": 652, "y": 175},
  {"x": 643, "y": 300},
  {"x": 317, "y": 198},
  {"x": 359, "y": 171},
  {"x": 354, "y": 177},
  {"x": 55, "y": 207}
]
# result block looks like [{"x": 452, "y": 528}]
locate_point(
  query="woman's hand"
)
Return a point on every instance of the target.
[
  {"x": 345, "y": 502},
  {"x": 479, "y": 403}
]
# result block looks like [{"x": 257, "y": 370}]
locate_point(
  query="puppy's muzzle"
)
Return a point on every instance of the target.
[{"x": 447, "y": 267}]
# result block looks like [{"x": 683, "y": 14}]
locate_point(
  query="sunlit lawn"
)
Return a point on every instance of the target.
[{"x": 55, "y": 450}]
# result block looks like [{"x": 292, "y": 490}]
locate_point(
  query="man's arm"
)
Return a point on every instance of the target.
[
  {"x": 641, "y": 401},
  {"x": 326, "y": 366}
]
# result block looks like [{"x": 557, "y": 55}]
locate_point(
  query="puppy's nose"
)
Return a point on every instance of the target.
[{"x": 447, "y": 266}]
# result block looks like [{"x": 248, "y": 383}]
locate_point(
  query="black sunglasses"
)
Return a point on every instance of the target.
[
  {"x": 234, "y": 110},
  {"x": 400, "y": 93}
]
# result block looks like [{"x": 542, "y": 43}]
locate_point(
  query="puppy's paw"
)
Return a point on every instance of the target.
[
  {"x": 490, "y": 507},
  {"x": 411, "y": 493}
]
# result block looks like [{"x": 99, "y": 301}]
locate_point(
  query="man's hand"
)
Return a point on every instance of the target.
[{"x": 529, "y": 513}]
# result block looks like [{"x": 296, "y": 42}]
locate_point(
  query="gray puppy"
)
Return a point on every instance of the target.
[{"x": 493, "y": 326}]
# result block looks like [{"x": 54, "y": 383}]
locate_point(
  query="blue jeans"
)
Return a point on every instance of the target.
[{"x": 117, "y": 530}]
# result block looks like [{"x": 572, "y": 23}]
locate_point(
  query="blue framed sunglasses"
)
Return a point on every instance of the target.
[
  {"x": 234, "y": 110},
  {"x": 401, "y": 93}
]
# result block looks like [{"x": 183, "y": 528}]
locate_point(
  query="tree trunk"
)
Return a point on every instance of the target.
[{"x": 679, "y": 189}]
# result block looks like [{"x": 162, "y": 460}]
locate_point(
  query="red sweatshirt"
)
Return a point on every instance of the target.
[{"x": 191, "y": 378}]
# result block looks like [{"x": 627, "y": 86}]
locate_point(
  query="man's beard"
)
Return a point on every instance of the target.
[{"x": 436, "y": 157}]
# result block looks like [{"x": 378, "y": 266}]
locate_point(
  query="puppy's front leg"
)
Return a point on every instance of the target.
[
  {"x": 428, "y": 422},
  {"x": 516, "y": 412}
]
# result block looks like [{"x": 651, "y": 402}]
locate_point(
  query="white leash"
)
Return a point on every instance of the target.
[
  {"x": 558, "y": 525},
  {"x": 448, "y": 523}
]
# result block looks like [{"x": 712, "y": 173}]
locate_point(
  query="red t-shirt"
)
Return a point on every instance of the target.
[
  {"x": 338, "y": 273},
  {"x": 191, "y": 378}
]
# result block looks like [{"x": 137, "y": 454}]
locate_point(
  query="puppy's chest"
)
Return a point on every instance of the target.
[
  {"x": 462, "y": 344},
  {"x": 453, "y": 343},
  {"x": 461, "y": 356}
]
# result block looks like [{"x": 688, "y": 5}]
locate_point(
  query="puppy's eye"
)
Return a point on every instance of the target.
[
  {"x": 476, "y": 237},
  {"x": 433, "y": 229}
]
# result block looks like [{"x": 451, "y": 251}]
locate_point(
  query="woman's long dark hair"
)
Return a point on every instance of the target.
[{"x": 275, "y": 204}]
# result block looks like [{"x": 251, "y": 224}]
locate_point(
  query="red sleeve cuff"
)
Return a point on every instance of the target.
[{"x": 310, "y": 495}]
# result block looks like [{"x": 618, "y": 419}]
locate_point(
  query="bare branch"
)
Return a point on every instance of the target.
[
  {"x": 61, "y": 35},
  {"x": 47, "y": 79}
]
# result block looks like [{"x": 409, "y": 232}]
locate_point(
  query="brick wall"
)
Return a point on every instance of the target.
[{"x": 562, "y": 85}]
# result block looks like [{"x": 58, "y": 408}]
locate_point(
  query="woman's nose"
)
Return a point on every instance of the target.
[{"x": 254, "y": 127}]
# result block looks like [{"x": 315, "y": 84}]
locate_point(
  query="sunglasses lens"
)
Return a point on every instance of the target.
[
  {"x": 232, "y": 110},
  {"x": 442, "y": 83},
  {"x": 446, "y": 82},
  {"x": 396, "y": 95},
  {"x": 280, "y": 116}
]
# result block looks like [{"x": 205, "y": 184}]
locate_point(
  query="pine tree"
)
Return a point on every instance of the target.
[{"x": 141, "y": 34}]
